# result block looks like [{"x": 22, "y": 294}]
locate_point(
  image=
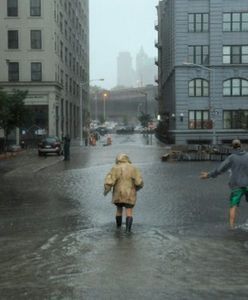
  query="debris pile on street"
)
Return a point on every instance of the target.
[{"x": 196, "y": 153}]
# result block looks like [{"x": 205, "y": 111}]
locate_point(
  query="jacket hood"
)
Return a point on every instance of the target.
[
  {"x": 238, "y": 151},
  {"x": 122, "y": 158}
]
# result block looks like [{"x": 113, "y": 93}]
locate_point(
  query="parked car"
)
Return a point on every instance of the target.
[
  {"x": 102, "y": 130},
  {"x": 138, "y": 129},
  {"x": 124, "y": 129},
  {"x": 50, "y": 144}
]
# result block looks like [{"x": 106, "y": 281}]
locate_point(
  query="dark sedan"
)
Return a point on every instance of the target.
[{"x": 50, "y": 144}]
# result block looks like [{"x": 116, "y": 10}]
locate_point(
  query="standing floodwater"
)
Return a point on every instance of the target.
[{"x": 59, "y": 238}]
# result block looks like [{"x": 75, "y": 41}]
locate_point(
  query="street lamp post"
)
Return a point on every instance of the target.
[
  {"x": 96, "y": 109},
  {"x": 105, "y": 95},
  {"x": 138, "y": 109},
  {"x": 146, "y": 113},
  {"x": 81, "y": 85},
  {"x": 146, "y": 101},
  {"x": 211, "y": 107}
]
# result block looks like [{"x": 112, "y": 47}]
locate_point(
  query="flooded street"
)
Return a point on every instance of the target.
[{"x": 59, "y": 241}]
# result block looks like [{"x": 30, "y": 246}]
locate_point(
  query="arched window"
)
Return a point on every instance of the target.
[
  {"x": 198, "y": 88},
  {"x": 235, "y": 87}
]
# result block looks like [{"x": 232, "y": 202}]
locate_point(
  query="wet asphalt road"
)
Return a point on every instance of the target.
[{"x": 58, "y": 237}]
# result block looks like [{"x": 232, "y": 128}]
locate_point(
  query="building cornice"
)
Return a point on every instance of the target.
[{"x": 29, "y": 84}]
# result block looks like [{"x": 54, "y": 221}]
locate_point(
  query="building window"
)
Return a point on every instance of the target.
[
  {"x": 35, "y": 37},
  {"x": 62, "y": 116},
  {"x": 66, "y": 29},
  {"x": 74, "y": 88},
  {"x": 70, "y": 34},
  {"x": 198, "y": 22},
  {"x": 12, "y": 8},
  {"x": 57, "y": 120},
  {"x": 62, "y": 77},
  {"x": 235, "y": 119},
  {"x": 70, "y": 59},
  {"x": 235, "y": 87},
  {"x": 235, "y": 21},
  {"x": 73, "y": 64},
  {"x": 35, "y": 8},
  {"x": 61, "y": 50},
  {"x": 198, "y": 55},
  {"x": 70, "y": 85},
  {"x": 13, "y": 71},
  {"x": 65, "y": 6},
  {"x": 36, "y": 71},
  {"x": 244, "y": 21},
  {"x": 66, "y": 55},
  {"x": 61, "y": 22},
  {"x": 66, "y": 82},
  {"x": 13, "y": 39},
  {"x": 198, "y": 88},
  {"x": 199, "y": 119},
  {"x": 77, "y": 68},
  {"x": 235, "y": 54}
]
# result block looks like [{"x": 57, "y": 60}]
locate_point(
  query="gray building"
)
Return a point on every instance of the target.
[
  {"x": 45, "y": 50},
  {"x": 145, "y": 69},
  {"x": 125, "y": 71},
  {"x": 203, "y": 70},
  {"x": 139, "y": 76}
]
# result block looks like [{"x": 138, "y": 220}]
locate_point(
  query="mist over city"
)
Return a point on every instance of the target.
[
  {"x": 124, "y": 27},
  {"x": 123, "y": 149}
]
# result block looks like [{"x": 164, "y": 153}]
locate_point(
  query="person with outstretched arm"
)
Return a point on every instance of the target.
[{"x": 237, "y": 163}]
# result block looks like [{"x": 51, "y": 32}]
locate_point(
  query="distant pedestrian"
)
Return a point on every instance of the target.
[
  {"x": 67, "y": 142},
  {"x": 108, "y": 141},
  {"x": 23, "y": 144},
  {"x": 93, "y": 139},
  {"x": 86, "y": 135},
  {"x": 125, "y": 180},
  {"x": 237, "y": 163}
]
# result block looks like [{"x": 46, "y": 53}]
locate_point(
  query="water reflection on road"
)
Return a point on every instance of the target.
[{"x": 59, "y": 239}]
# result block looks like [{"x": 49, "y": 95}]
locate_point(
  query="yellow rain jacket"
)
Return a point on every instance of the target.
[{"x": 125, "y": 179}]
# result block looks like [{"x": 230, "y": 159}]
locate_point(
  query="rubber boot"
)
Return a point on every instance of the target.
[
  {"x": 129, "y": 222},
  {"x": 246, "y": 196},
  {"x": 118, "y": 221}
]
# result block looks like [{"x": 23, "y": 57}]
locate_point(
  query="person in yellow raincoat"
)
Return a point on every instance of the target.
[{"x": 124, "y": 179}]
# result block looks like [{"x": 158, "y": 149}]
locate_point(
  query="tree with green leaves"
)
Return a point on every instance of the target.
[
  {"x": 125, "y": 120},
  {"x": 13, "y": 111},
  {"x": 144, "y": 119}
]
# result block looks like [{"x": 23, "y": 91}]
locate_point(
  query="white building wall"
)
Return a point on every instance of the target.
[{"x": 24, "y": 55}]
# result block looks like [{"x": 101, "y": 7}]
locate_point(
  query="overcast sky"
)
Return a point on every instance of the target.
[{"x": 115, "y": 26}]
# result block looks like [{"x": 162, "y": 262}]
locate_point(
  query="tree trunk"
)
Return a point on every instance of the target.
[{"x": 5, "y": 147}]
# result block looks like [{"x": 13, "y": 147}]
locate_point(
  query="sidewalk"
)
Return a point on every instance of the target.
[
  {"x": 25, "y": 163},
  {"x": 10, "y": 155}
]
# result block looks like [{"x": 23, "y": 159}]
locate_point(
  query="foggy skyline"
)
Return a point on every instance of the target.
[{"x": 117, "y": 26}]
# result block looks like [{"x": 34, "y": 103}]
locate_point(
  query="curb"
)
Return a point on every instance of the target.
[
  {"x": 9, "y": 155},
  {"x": 31, "y": 168}
]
